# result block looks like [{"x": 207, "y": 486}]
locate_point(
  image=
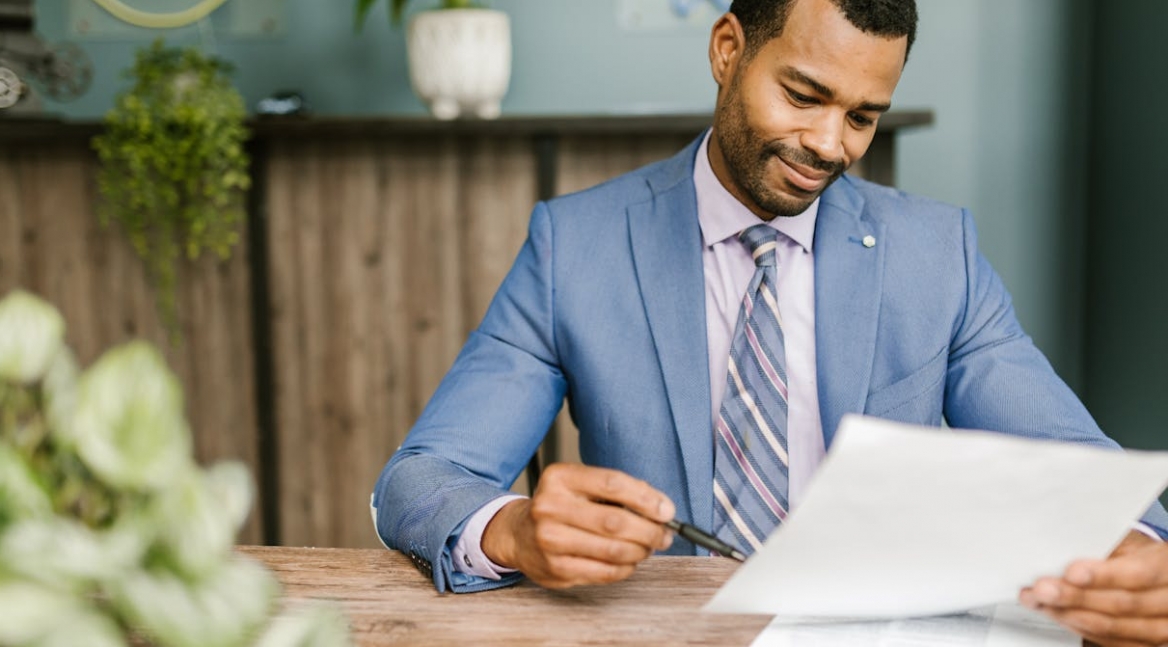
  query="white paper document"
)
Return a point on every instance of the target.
[
  {"x": 903, "y": 521},
  {"x": 1005, "y": 625}
]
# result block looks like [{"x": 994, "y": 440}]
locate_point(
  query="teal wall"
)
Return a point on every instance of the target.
[
  {"x": 1127, "y": 317},
  {"x": 570, "y": 56}
]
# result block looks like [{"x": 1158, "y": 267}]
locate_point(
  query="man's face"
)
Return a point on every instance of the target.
[{"x": 798, "y": 113}]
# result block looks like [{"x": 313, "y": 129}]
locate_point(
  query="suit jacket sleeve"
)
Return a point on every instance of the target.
[
  {"x": 998, "y": 380},
  {"x": 483, "y": 423}
]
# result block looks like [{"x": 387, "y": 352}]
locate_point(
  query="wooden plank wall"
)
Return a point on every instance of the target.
[
  {"x": 587, "y": 160},
  {"x": 384, "y": 256},
  {"x": 52, "y": 244}
]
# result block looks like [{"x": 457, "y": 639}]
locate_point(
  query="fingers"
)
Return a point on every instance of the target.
[
  {"x": 600, "y": 520},
  {"x": 565, "y": 571},
  {"x": 612, "y": 486},
  {"x": 1051, "y": 592},
  {"x": 569, "y": 495},
  {"x": 558, "y": 539},
  {"x": 586, "y": 525},
  {"x": 1112, "y": 631},
  {"x": 1140, "y": 569},
  {"x": 1116, "y": 602}
]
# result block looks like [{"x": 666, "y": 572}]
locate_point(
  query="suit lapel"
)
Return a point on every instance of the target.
[
  {"x": 848, "y": 277},
  {"x": 667, "y": 246}
]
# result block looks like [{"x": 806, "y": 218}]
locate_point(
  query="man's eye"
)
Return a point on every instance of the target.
[
  {"x": 800, "y": 99},
  {"x": 861, "y": 121}
]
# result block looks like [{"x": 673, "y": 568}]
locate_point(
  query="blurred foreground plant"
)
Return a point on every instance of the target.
[{"x": 110, "y": 533}]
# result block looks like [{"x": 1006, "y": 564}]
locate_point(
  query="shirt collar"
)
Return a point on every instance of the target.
[{"x": 721, "y": 215}]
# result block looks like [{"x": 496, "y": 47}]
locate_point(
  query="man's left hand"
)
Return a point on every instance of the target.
[{"x": 1121, "y": 601}]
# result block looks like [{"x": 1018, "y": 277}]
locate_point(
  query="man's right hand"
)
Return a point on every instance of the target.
[{"x": 583, "y": 525}]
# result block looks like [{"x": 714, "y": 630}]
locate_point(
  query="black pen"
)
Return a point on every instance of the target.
[
  {"x": 695, "y": 535},
  {"x": 705, "y": 540}
]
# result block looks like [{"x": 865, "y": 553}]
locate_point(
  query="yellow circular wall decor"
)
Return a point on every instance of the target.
[{"x": 154, "y": 20}]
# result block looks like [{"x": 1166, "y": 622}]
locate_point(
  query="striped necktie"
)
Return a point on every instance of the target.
[{"x": 750, "y": 461}]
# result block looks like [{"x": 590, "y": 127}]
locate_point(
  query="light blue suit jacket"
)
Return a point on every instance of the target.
[{"x": 606, "y": 305}]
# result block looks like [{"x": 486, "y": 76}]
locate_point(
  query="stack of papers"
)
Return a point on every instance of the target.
[{"x": 1001, "y": 626}]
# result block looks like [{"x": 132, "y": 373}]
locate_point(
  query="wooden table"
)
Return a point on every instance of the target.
[{"x": 389, "y": 602}]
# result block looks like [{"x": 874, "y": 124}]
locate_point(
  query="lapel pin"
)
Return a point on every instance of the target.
[{"x": 869, "y": 241}]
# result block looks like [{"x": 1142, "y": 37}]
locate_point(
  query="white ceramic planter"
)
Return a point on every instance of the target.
[
  {"x": 460, "y": 60},
  {"x": 11, "y": 87}
]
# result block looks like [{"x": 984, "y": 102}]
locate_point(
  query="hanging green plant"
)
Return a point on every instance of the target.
[{"x": 173, "y": 170}]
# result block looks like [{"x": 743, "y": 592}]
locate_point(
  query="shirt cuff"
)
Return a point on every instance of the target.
[
  {"x": 1147, "y": 530},
  {"x": 468, "y": 555}
]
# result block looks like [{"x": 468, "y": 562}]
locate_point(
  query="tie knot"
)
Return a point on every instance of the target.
[{"x": 761, "y": 241}]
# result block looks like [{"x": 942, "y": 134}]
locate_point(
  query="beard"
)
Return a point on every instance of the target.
[{"x": 748, "y": 156}]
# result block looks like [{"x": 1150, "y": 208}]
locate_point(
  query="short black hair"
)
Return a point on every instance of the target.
[{"x": 763, "y": 20}]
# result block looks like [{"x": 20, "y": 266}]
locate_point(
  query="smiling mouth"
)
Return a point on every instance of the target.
[{"x": 803, "y": 178}]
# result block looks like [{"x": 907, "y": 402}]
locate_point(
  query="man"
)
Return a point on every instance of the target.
[{"x": 628, "y": 299}]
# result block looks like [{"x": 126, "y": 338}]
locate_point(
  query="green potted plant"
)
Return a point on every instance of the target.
[
  {"x": 459, "y": 55},
  {"x": 173, "y": 168}
]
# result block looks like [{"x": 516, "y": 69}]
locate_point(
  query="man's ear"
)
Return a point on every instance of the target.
[{"x": 727, "y": 45}]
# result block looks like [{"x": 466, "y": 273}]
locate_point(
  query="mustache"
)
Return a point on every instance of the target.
[{"x": 804, "y": 157}]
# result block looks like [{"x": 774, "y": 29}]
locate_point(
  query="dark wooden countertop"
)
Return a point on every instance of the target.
[{"x": 24, "y": 129}]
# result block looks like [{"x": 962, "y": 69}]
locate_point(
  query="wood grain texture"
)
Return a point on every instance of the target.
[
  {"x": 389, "y": 603},
  {"x": 384, "y": 254},
  {"x": 585, "y": 161},
  {"x": 52, "y": 244}
]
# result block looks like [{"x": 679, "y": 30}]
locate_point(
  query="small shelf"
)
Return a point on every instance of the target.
[{"x": 42, "y": 129}]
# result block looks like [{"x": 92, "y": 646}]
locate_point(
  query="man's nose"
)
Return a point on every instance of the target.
[{"x": 825, "y": 138}]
